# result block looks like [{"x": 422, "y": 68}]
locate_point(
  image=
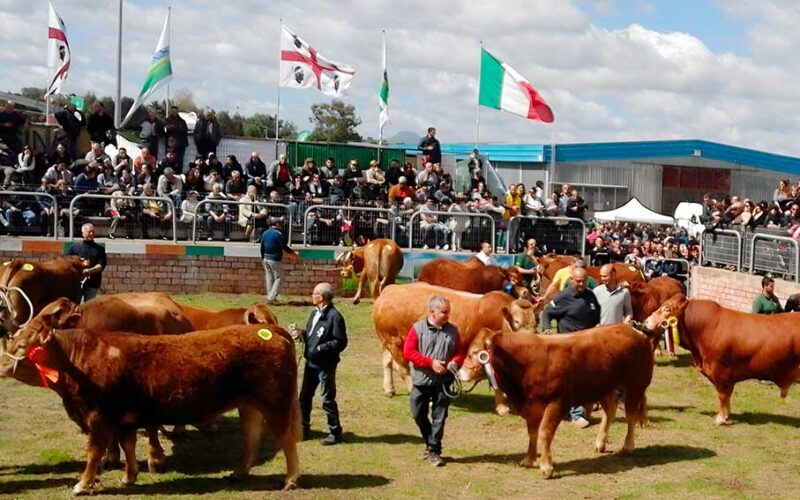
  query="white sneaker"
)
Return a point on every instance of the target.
[
  {"x": 446, "y": 247},
  {"x": 425, "y": 247},
  {"x": 581, "y": 423},
  {"x": 438, "y": 247}
]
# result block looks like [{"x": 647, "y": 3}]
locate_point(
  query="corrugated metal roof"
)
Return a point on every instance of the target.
[{"x": 598, "y": 151}]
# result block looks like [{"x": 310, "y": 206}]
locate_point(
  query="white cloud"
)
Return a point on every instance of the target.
[{"x": 630, "y": 83}]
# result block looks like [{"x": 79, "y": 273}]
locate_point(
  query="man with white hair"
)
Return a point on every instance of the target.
[
  {"x": 96, "y": 255},
  {"x": 325, "y": 337}
]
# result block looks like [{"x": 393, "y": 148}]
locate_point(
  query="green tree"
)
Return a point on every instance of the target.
[
  {"x": 230, "y": 125},
  {"x": 184, "y": 99},
  {"x": 35, "y": 93},
  {"x": 334, "y": 122}
]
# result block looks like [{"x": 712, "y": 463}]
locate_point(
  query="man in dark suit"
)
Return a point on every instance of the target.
[{"x": 325, "y": 338}]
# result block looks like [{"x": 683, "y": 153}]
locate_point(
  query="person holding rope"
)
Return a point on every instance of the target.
[
  {"x": 89, "y": 250},
  {"x": 432, "y": 347},
  {"x": 325, "y": 337}
]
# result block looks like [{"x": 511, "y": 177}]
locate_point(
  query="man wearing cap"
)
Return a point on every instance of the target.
[{"x": 273, "y": 244}]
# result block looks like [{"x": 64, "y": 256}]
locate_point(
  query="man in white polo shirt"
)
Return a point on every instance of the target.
[{"x": 615, "y": 301}]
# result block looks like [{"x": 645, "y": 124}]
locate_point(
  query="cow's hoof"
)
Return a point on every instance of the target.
[
  {"x": 356, "y": 301},
  {"x": 600, "y": 447},
  {"x": 503, "y": 410},
  {"x": 527, "y": 463},
  {"x": 389, "y": 394},
  {"x": 720, "y": 420},
  {"x": 547, "y": 471},
  {"x": 290, "y": 484},
  {"x": 85, "y": 489},
  {"x": 156, "y": 465},
  {"x": 126, "y": 481}
]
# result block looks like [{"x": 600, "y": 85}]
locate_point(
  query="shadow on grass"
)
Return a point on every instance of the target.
[
  {"x": 23, "y": 485},
  {"x": 677, "y": 408},
  {"x": 609, "y": 463},
  {"x": 475, "y": 402},
  {"x": 679, "y": 361},
  {"x": 66, "y": 467},
  {"x": 349, "y": 437},
  {"x": 758, "y": 418}
]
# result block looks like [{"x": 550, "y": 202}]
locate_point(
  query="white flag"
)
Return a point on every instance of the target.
[
  {"x": 58, "y": 53},
  {"x": 302, "y": 67}
]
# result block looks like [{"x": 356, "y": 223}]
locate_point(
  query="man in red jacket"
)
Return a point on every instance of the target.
[{"x": 434, "y": 351}]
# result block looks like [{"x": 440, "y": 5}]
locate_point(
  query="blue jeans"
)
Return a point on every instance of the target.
[
  {"x": 576, "y": 412},
  {"x": 326, "y": 377},
  {"x": 88, "y": 293}
]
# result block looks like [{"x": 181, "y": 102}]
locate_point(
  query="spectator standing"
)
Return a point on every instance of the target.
[
  {"x": 325, "y": 337},
  {"x": 475, "y": 164},
  {"x": 71, "y": 122},
  {"x": 96, "y": 255},
  {"x": 100, "y": 125},
  {"x": 273, "y": 244},
  {"x": 176, "y": 132},
  {"x": 11, "y": 124},
  {"x": 207, "y": 133},
  {"x": 458, "y": 225},
  {"x": 430, "y": 147},
  {"x": 767, "y": 302},
  {"x": 152, "y": 130},
  {"x": 614, "y": 300},
  {"x": 527, "y": 262},
  {"x": 432, "y": 347}
]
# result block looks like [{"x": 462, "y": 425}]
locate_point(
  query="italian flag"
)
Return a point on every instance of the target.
[{"x": 503, "y": 88}]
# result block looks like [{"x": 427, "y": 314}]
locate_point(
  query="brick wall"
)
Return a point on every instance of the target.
[
  {"x": 735, "y": 290},
  {"x": 199, "y": 273}
]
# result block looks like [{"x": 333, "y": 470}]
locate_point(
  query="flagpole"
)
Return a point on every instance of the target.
[
  {"x": 478, "y": 106},
  {"x": 118, "y": 102},
  {"x": 380, "y": 124},
  {"x": 278, "y": 104},
  {"x": 169, "y": 11}
]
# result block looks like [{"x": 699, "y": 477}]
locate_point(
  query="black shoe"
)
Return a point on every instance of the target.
[
  {"x": 435, "y": 459},
  {"x": 306, "y": 433},
  {"x": 331, "y": 440}
]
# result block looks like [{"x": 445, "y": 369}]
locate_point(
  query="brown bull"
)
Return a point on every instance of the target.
[
  {"x": 377, "y": 263},
  {"x": 207, "y": 319},
  {"x": 399, "y": 306},
  {"x": 543, "y": 376},
  {"x": 471, "y": 276},
  {"x": 647, "y": 297},
  {"x": 41, "y": 283},
  {"x": 730, "y": 346},
  {"x": 113, "y": 383}
]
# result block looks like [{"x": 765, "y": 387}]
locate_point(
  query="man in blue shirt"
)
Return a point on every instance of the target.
[
  {"x": 96, "y": 255},
  {"x": 273, "y": 244}
]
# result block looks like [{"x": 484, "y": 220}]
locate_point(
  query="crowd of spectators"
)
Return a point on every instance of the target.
[{"x": 782, "y": 213}]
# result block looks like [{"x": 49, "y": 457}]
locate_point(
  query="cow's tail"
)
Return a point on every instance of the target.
[{"x": 640, "y": 411}]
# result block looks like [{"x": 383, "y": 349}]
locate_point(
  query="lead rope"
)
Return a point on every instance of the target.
[{"x": 455, "y": 388}]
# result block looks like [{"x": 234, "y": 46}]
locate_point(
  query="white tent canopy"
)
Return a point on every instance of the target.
[{"x": 634, "y": 211}]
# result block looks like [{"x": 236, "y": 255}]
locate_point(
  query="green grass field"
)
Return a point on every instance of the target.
[{"x": 680, "y": 454}]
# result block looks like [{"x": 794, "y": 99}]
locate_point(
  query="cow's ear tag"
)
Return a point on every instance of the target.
[
  {"x": 27, "y": 267},
  {"x": 7, "y": 263},
  {"x": 265, "y": 334}
]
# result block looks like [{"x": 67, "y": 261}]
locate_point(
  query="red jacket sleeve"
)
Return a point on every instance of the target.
[
  {"x": 458, "y": 357},
  {"x": 411, "y": 352}
]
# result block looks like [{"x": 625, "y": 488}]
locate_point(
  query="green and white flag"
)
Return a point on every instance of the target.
[
  {"x": 384, "y": 96},
  {"x": 501, "y": 87},
  {"x": 159, "y": 73}
]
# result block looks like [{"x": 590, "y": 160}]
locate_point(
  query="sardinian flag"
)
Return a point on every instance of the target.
[
  {"x": 58, "y": 53},
  {"x": 302, "y": 67}
]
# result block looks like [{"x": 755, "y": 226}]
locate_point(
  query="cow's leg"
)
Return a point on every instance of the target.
[
  {"x": 501, "y": 403},
  {"x": 609, "y": 405},
  {"x": 285, "y": 425},
  {"x": 724, "y": 393},
  {"x": 111, "y": 460},
  {"x": 789, "y": 380},
  {"x": 388, "y": 374},
  {"x": 99, "y": 438},
  {"x": 635, "y": 412},
  {"x": 360, "y": 289},
  {"x": 252, "y": 424},
  {"x": 533, "y": 417},
  {"x": 547, "y": 429},
  {"x": 128, "y": 442},
  {"x": 156, "y": 459}
]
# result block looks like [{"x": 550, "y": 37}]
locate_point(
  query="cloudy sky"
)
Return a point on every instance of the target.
[{"x": 612, "y": 70}]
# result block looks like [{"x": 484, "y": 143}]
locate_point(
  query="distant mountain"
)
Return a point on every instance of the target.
[{"x": 405, "y": 137}]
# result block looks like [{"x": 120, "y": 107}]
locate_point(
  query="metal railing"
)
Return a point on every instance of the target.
[
  {"x": 445, "y": 228},
  {"x": 234, "y": 221},
  {"x": 54, "y": 203},
  {"x": 775, "y": 256},
  {"x": 367, "y": 224},
  {"x": 92, "y": 196},
  {"x": 556, "y": 240},
  {"x": 722, "y": 246}
]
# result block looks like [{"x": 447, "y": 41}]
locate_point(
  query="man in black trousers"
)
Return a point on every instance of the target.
[{"x": 325, "y": 338}]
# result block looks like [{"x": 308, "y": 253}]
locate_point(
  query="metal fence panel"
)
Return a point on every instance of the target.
[
  {"x": 343, "y": 224},
  {"x": 219, "y": 219},
  {"x": 27, "y": 212},
  {"x": 563, "y": 235},
  {"x": 440, "y": 234},
  {"x": 775, "y": 254},
  {"x": 89, "y": 207},
  {"x": 722, "y": 246}
]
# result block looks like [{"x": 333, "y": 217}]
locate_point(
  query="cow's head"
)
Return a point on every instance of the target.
[
  {"x": 77, "y": 262},
  {"x": 346, "y": 262},
  {"x": 259, "y": 314},
  {"x": 663, "y": 316},
  {"x": 512, "y": 275},
  {"x": 27, "y": 349},
  {"x": 478, "y": 354},
  {"x": 519, "y": 315}
]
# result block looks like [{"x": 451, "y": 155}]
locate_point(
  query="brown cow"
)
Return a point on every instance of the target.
[
  {"x": 207, "y": 319},
  {"x": 151, "y": 313},
  {"x": 730, "y": 346},
  {"x": 647, "y": 297},
  {"x": 378, "y": 262},
  {"x": 471, "y": 276},
  {"x": 543, "y": 376},
  {"x": 42, "y": 283},
  {"x": 399, "y": 306},
  {"x": 113, "y": 383}
]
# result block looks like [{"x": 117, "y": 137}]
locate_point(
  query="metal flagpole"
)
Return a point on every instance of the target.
[
  {"x": 380, "y": 125},
  {"x": 169, "y": 11},
  {"x": 478, "y": 105},
  {"x": 278, "y": 105},
  {"x": 118, "y": 102}
]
